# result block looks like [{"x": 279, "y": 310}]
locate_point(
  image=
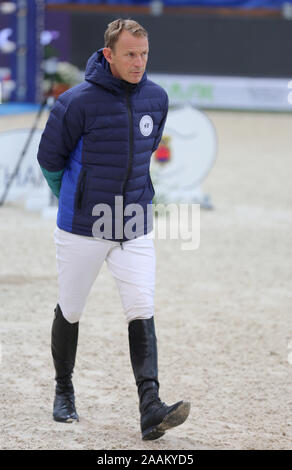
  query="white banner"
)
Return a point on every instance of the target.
[
  {"x": 29, "y": 183},
  {"x": 184, "y": 158},
  {"x": 179, "y": 166}
]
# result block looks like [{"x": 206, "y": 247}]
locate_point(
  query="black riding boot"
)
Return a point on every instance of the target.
[
  {"x": 156, "y": 417},
  {"x": 64, "y": 346}
]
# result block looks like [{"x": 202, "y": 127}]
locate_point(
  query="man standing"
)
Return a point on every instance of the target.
[{"x": 95, "y": 154}]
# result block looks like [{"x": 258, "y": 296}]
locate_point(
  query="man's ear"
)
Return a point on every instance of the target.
[{"x": 107, "y": 52}]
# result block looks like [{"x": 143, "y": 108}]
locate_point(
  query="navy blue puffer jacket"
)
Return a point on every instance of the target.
[{"x": 100, "y": 136}]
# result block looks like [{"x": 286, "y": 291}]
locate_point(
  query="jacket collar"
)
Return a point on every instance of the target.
[{"x": 98, "y": 71}]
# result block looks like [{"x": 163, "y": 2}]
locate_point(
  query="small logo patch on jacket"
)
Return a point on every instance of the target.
[{"x": 146, "y": 125}]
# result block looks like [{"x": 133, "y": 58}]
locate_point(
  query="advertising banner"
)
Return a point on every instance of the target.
[{"x": 238, "y": 93}]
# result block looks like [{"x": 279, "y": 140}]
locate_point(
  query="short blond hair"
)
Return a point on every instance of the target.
[{"x": 115, "y": 28}]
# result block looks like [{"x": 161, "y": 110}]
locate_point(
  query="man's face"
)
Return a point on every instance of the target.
[{"x": 129, "y": 58}]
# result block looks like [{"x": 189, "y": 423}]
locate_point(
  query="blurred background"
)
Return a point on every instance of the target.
[
  {"x": 215, "y": 47},
  {"x": 232, "y": 55}
]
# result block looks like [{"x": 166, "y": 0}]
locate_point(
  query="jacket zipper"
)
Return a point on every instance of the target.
[{"x": 130, "y": 116}]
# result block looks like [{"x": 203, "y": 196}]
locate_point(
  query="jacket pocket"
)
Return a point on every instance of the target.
[{"x": 81, "y": 187}]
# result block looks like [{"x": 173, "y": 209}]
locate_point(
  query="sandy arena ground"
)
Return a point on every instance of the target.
[{"x": 223, "y": 315}]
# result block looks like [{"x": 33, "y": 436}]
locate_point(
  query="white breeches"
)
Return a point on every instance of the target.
[{"x": 79, "y": 260}]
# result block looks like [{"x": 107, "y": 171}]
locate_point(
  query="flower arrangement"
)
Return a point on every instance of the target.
[{"x": 64, "y": 77}]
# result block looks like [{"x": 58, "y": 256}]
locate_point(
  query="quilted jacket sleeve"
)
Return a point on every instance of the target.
[
  {"x": 62, "y": 132},
  {"x": 161, "y": 126}
]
